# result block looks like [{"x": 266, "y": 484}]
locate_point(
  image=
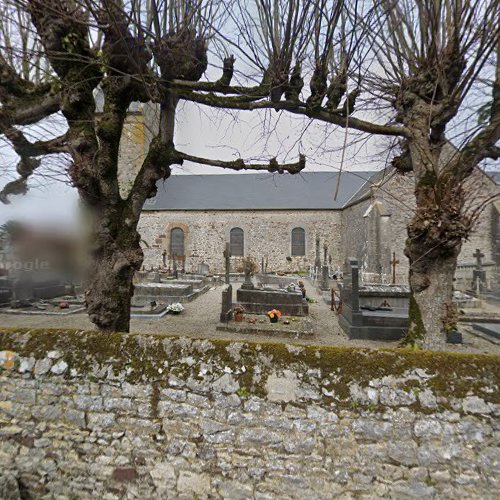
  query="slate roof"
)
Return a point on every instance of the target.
[
  {"x": 494, "y": 175},
  {"x": 259, "y": 191}
]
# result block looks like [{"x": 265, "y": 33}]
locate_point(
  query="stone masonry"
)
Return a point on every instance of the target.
[
  {"x": 356, "y": 231},
  {"x": 350, "y": 232},
  {"x": 266, "y": 234},
  {"x": 396, "y": 196},
  {"x": 83, "y": 415}
]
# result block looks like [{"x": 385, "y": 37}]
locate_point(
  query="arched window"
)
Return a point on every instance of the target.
[
  {"x": 236, "y": 241},
  {"x": 177, "y": 242},
  {"x": 298, "y": 241}
]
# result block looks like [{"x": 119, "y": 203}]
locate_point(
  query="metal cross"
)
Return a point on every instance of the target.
[{"x": 394, "y": 263}]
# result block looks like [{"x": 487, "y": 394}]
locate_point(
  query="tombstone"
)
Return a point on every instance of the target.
[
  {"x": 203, "y": 269},
  {"x": 325, "y": 277},
  {"x": 227, "y": 261},
  {"x": 227, "y": 303},
  {"x": 262, "y": 267},
  {"x": 478, "y": 274},
  {"x": 259, "y": 301},
  {"x": 247, "y": 284},
  {"x": 5, "y": 290},
  {"x": 164, "y": 258},
  {"x": 366, "y": 321},
  {"x": 175, "y": 272},
  {"x": 317, "y": 260}
]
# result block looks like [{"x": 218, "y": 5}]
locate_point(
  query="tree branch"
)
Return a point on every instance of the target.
[
  {"x": 295, "y": 107},
  {"x": 240, "y": 164},
  {"x": 483, "y": 145},
  {"x": 24, "y": 113},
  {"x": 493, "y": 152}
]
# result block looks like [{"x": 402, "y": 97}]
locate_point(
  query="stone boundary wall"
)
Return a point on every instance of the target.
[{"x": 89, "y": 415}]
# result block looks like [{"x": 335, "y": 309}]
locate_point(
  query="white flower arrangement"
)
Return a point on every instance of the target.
[{"x": 175, "y": 308}]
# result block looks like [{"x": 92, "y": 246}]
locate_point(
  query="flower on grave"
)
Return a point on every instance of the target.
[
  {"x": 177, "y": 307},
  {"x": 292, "y": 287},
  {"x": 274, "y": 313},
  {"x": 238, "y": 309}
]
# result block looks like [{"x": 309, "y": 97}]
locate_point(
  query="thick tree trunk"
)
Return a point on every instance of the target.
[
  {"x": 431, "y": 306},
  {"x": 116, "y": 255}
]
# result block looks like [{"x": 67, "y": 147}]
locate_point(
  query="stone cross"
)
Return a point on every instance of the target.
[
  {"x": 394, "y": 262},
  {"x": 227, "y": 255},
  {"x": 479, "y": 256},
  {"x": 325, "y": 253},
  {"x": 174, "y": 267},
  {"x": 478, "y": 274},
  {"x": 164, "y": 257},
  {"x": 317, "y": 260}
]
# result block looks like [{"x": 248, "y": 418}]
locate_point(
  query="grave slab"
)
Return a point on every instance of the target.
[
  {"x": 376, "y": 312},
  {"x": 163, "y": 290},
  {"x": 301, "y": 327},
  {"x": 259, "y": 301},
  {"x": 491, "y": 329}
]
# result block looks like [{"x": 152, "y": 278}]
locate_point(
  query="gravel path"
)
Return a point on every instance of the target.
[{"x": 201, "y": 317}]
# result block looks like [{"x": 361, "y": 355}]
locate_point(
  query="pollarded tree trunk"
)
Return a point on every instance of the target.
[
  {"x": 116, "y": 255},
  {"x": 431, "y": 282}
]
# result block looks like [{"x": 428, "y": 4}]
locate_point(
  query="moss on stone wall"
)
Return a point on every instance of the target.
[{"x": 153, "y": 358}]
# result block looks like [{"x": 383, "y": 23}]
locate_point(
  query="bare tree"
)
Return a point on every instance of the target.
[
  {"x": 418, "y": 63},
  {"x": 88, "y": 45},
  {"x": 421, "y": 65}
]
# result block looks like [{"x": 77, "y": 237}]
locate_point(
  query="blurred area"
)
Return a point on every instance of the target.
[{"x": 39, "y": 262}]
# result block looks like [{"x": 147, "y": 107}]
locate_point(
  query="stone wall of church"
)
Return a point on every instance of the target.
[
  {"x": 374, "y": 246},
  {"x": 267, "y": 234},
  {"x": 132, "y": 151},
  {"x": 86, "y": 415}
]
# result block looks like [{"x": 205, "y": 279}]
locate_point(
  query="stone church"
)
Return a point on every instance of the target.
[{"x": 278, "y": 218}]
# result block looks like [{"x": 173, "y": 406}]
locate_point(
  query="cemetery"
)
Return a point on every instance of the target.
[
  {"x": 32, "y": 292},
  {"x": 364, "y": 309}
]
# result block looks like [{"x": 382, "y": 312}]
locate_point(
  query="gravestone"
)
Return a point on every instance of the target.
[
  {"x": 25, "y": 289},
  {"x": 174, "y": 267},
  {"x": 261, "y": 300},
  {"x": 203, "y": 269},
  {"x": 325, "y": 278},
  {"x": 227, "y": 303},
  {"x": 383, "y": 322},
  {"x": 317, "y": 260},
  {"x": 227, "y": 261},
  {"x": 48, "y": 290},
  {"x": 5, "y": 291},
  {"x": 247, "y": 284},
  {"x": 479, "y": 274}
]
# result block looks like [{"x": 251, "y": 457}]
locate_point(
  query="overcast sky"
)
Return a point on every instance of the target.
[{"x": 215, "y": 134}]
